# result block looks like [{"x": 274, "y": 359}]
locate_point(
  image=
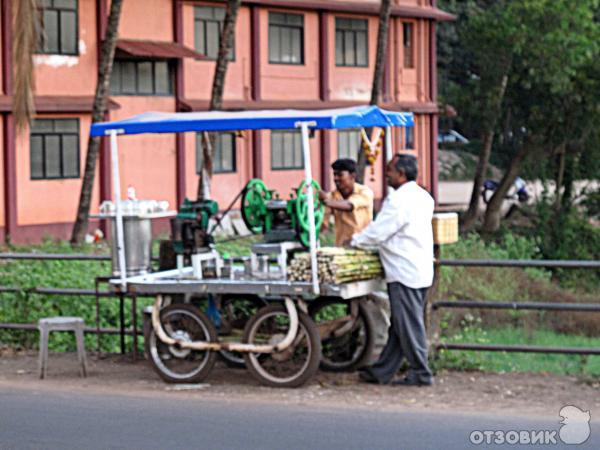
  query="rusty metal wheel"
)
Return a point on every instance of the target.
[
  {"x": 173, "y": 363},
  {"x": 291, "y": 367},
  {"x": 347, "y": 331}
]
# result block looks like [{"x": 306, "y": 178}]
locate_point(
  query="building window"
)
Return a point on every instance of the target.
[
  {"x": 58, "y": 28},
  {"x": 224, "y": 153},
  {"x": 208, "y": 24},
  {"x": 351, "y": 42},
  {"x": 409, "y": 138},
  {"x": 141, "y": 78},
  {"x": 286, "y": 38},
  {"x": 349, "y": 144},
  {"x": 54, "y": 149},
  {"x": 409, "y": 45},
  {"x": 286, "y": 150}
]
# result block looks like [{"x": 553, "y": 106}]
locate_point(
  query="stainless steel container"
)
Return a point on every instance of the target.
[
  {"x": 137, "y": 235},
  {"x": 137, "y": 232}
]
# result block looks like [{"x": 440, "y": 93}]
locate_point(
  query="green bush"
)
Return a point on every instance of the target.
[
  {"x": 591, "y": 203},
  {"x": 23, "y": 307},
  {"x": 28, "y": 308},
  {"x": 569, "y": 236},
  {"x": 470, "y": 331}
]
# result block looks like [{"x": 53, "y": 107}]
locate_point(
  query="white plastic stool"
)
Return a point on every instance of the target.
[{"x": 48, "y": 324}]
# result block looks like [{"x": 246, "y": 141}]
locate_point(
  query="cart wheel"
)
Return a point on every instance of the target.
[
  {"x": 236, "y": 311},
  {"x": 291, "y": 367},
  {"x": 352, "y": 349},
  {"x": 178, "y": 365}
]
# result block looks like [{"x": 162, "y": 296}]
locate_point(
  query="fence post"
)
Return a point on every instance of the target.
[
  {"x": 97, "y": 291},
  {"x": 431, "y": 318}
]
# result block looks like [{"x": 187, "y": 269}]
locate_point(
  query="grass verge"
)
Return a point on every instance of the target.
[{"x": 586, "y": 365}]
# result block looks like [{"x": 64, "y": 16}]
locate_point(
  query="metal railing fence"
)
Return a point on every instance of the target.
[
  {"x": 433, "y": 305},
  {"x": 436, "y": 305}
]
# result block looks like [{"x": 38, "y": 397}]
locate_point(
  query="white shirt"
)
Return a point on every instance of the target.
[{"x": 403, "y": 233}]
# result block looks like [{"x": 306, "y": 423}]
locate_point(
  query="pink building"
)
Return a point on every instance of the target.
[{"x": 288, "y": 54}]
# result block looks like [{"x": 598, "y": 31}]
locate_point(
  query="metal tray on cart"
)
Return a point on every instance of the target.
[{"x": 180, "y": 282}]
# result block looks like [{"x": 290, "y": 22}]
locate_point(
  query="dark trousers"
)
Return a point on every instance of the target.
[{"x": 406, "y": 335}]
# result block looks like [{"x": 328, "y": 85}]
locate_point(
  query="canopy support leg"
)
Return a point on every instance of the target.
[
  {"x": 388, "y": 144},
  {"x": 114, "y": 154},
  {"x": 312, "y": 233}
]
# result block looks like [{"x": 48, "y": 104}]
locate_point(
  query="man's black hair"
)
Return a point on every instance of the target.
[
  {"x": 408, "y": 165},
  {"x": 347, "y": 164}
]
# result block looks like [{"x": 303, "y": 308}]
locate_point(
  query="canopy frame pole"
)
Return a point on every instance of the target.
[
  {"x": 312, "y": 233},
  {"x": 388, "y": 144},
  {"x": 116, "y": 179}
]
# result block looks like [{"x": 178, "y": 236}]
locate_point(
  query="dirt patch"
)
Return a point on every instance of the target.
[{"x": 506, "y": 394}]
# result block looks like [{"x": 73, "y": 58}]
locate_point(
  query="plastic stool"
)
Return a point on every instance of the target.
[{"x": 48, "y": 324}]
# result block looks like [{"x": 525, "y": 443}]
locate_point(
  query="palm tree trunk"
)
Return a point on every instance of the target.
[
  {"x": 380, "y": 56},
  {"x": 380, "y": 59},
  {"x": 216, "y": 96},
  {"x": 100, "y": 101},
  {"x": 24, "y": 46},
  {"x": 472, "y": 213}
]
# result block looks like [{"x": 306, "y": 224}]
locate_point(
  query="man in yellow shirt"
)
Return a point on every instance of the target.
[{"x": 350, "y": 203}]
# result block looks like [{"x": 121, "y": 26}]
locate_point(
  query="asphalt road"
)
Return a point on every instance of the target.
[{"x": 59, "y": 420}]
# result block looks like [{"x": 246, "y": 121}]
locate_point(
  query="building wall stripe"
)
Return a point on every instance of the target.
[
  {"x": 180, "y": 172},
  {"x": 9, "y": 144},
  {"x": 257, "y": 171},
  {"x": 433, "y": 146},
  {"x": 324, "y": 96}
]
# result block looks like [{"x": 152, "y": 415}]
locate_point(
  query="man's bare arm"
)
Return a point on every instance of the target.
[{"x": 341, "y": 205}]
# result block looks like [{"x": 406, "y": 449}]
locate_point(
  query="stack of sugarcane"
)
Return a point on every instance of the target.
[{"x": 337, "y": 265}]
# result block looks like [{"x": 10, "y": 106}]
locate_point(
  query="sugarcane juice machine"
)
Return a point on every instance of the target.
[
  {"x": 192, "y": 242},
  {"x": 284, "y": 223}
]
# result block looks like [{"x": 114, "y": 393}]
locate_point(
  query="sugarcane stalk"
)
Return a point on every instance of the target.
[{"x": 337, "y": 265}]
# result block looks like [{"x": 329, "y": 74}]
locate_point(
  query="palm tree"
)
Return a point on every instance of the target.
[
  {"x": 100, "y": 100},
  {"x": 380, "y": 58},
  {"x": 216, "y": 97},
  {"x": 24, "y": 46}
]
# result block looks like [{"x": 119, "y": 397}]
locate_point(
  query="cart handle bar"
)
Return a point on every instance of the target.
[{"x": 229, "y": 346}]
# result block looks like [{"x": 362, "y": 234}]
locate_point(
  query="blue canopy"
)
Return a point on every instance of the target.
[{"x": 158, "y": 122}]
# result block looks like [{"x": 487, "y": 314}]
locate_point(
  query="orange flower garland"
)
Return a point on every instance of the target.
[{"x": 372, "y": 148}]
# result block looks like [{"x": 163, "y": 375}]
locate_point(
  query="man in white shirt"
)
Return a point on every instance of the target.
[{"x": 403, "y": 234}]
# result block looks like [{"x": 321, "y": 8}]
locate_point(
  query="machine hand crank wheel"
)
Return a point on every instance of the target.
[
  {"x": 354, "y": 346},
  {"x": 291, "y": 367},
  {"x": 302, "y": 211},
  {"x": 254, "y": 205},
  {"x": 236, "y": 311},
  {"x": 175, "y": 364}
]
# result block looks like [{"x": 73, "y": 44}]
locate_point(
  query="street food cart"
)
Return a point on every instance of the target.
[{"x": 281, "y": 344}]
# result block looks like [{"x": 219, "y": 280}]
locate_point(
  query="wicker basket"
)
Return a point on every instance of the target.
[{"x": 445, "y": 228}]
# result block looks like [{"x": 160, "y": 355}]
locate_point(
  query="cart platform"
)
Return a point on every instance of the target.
[{"x": 182, "y": 282}]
